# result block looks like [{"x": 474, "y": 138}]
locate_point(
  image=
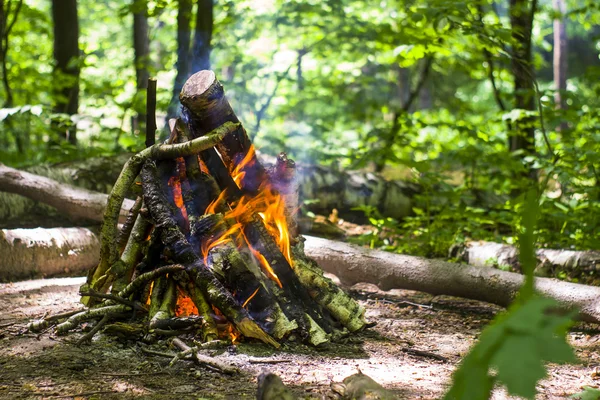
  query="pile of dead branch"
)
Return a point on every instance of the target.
[{"x": 210, "y": 247}]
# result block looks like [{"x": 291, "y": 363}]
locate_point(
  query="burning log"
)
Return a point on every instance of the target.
[{"x": 210, "y": 247}]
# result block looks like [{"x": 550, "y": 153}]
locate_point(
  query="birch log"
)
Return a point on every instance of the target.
[
  {"x": 354, "y": 264},
  {"x": 549, "y": 261},
  {"x": 36, "y": 253}
]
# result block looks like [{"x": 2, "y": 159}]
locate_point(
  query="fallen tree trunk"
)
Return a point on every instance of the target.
[
  {"x": 79, "y": 204},
  {"x": 549, "y": 261},
  {"x": 326, "y": 188},
  {"x": 96, "y": 174},
  {"x": 36, "y": 253},
  {"x": 354, "y": 264}
]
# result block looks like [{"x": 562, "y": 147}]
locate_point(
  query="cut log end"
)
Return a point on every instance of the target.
[{"x": 200, "y": 90}]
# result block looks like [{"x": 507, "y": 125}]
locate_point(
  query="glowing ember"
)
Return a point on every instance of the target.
[
  {"x": 251, "y": 297},
  {"x": 150, "y": 293},
  {"x": 175, "y": 185},
  {"x": 185, "y": 306},
  {"x": 203, "y": 167},
  {"x": 234, "y": 334},
  {"x": 226, "y": 330}
]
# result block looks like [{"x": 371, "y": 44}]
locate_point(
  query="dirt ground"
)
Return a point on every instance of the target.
[{"x": 414, "y": 348}]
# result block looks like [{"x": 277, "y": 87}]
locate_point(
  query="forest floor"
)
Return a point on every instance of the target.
[{"x": 442, "y": 328}]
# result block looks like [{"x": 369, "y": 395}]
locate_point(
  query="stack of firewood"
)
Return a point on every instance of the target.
[{"x": 211, "y": 245}]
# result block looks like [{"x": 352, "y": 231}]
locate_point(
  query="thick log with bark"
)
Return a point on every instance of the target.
[
  {"x": 490, "y": 254},
  {"x": 354, "y": 264},
  {"x": 326, "y": 187},
  {"x": 29, "y": 253},
  {"x": 76, "y": 202}
]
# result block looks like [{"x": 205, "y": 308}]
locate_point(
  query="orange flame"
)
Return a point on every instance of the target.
[
  {"x": 263, "y": 263},
  {"x": 238, "y": 172},
  {"x": 211, "y": 209},
  {"x": 207, "y": 245},
  {"x": 233, "y": 333},
  {"x": 251, "y": 297},
  {"x": 175, "y": 184},
  {"x": 185, "y": 306},
  {"x": 268, "y": 204},
  {"x": 274, "y": 217}
]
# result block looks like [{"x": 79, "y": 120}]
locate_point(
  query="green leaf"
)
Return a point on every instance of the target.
[
  {"x": 587, "y": 394},
  {"x": 519, "y": 365}
]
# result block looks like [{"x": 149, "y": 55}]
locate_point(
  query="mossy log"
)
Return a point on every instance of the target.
[
  {"x": 354, "y": 264},
  {"x": 326, "y": 293},
  {"x": 549, "y": 261}
]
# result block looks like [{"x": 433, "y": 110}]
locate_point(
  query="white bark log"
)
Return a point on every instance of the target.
[
  {"x": 47, "y": 252},
  {"x": 354, "y": 264},
  {"x": 490, "y": 254},
  {"x": 29, "y": 253}
]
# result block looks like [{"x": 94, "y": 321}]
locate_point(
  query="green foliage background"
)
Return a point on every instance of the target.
[
  {"x": 336, "y": 104},
  {"x": 328, "y": 81}
]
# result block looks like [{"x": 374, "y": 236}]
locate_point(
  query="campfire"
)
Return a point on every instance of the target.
[{"x": 211, "y": 247}]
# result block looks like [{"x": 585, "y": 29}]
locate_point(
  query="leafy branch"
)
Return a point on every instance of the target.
[{"x": 513, "y": 349}]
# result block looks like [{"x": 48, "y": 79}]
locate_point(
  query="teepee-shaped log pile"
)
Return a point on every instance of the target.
[{"x": 211, "y": 246}]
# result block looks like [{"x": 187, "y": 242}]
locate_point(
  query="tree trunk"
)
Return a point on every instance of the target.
[
  {"x": 184, "y": 17},
  {"x": 141, "y": 49},
  {"x": 560, "y": 57},
  {"x": 66, "y": 68},
  {"x": 490, "y": 254},
  {"x": 202, "y": 36},
  {"x": 390, "y": 138},
  {"x": 6, "y": 24},
  {"x": 36, "y": 253},
  {"x": 78, "y": 203},
  {"x": 521, "y": 18},
  {"x": 354, "y": 264}
]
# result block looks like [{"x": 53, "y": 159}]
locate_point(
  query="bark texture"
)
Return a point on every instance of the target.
[
  {"x": 202, "y": 36},
  {"x": 141, "y": 51},
  {"x": 36, "y": 253},
  {"x": 66, "y": 57},
  {"x": 354, "y": 264},
  {"x": 521, "y": 19},
  {"x": 489, "y": 254},
  {"x": 78, "y": 203}
]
